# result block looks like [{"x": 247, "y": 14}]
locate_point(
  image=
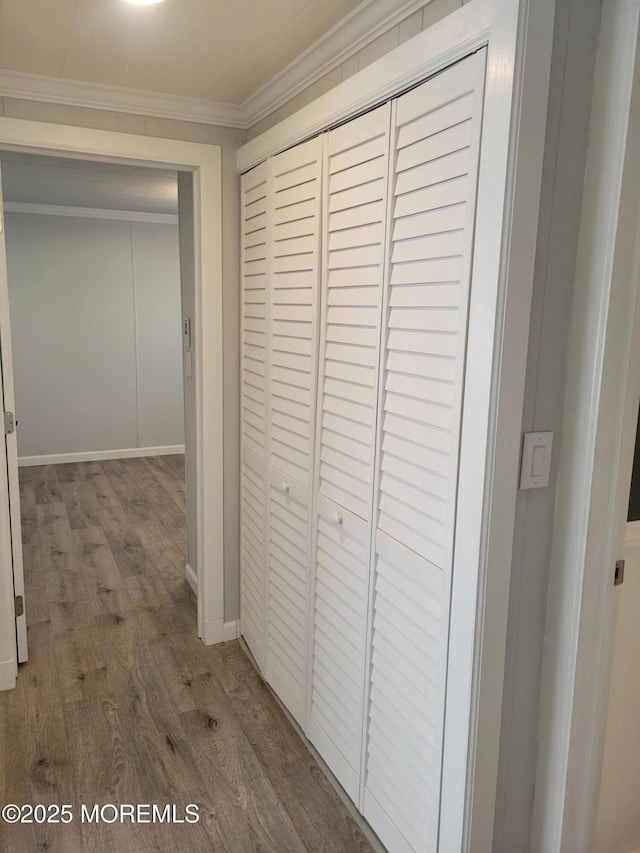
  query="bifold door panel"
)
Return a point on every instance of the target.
[
  {"x": 288, "y": 591},
  {"x": 433, "y": 192},
  {"x": 295, "y": 249},
  {"x": 355, "y": 212},
  {"x": 356, "y": 168},
  {"x": 357, "y": 267},
  {"x": 339, "y": 637},
  {"x": 255, "y": 278},
  {"x": 281, "y": 251}
]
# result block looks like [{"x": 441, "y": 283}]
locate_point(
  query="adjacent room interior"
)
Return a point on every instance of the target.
[{"x": 288, "y": 284}]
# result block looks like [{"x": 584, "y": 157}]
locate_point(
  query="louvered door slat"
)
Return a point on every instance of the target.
[
  {"x": 255, "y": 284},
  {"x": 252, "y": 534},
  {"x": 355, "y": 200},
  {"x": 340, "y": 597},
  {"x": 255, "y": 199},
  {"x": 294, "y": 253},
  {"x": 433, "y": 186},
  {"x": 295, "y": 248},
  {"x": 407, "y": 682}
]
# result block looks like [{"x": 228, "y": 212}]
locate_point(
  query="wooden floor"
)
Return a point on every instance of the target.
[{"x": 120, "y": 703}]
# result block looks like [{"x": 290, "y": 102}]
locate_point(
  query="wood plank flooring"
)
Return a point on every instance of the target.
[{"x": 121, "y": 703}]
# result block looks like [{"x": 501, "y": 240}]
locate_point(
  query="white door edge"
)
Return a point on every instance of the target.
[
  {"x": 8, "y": 397},
  {"x": 600, "y": 416}
]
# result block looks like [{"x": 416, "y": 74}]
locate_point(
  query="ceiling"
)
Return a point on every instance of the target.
[
  {"x": 226, "y": 62},
  {"x": 36, "y": 179},
  {"x": 218, "y": 50}
]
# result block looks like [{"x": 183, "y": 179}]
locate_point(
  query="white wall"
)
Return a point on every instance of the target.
[
  {"x": 96, "y": 330},
  {"x": 575, "y": 37}
]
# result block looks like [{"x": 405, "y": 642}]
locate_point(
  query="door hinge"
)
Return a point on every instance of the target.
[
  {"x": 19, "y": 605},
  {"x": 618, "y": 577},
  {"x": 9, "y": 423}
]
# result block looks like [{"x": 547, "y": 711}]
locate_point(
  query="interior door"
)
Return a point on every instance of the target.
[
  {"x": 6, "y": 362},
  {"x": 618, "y": 821}
]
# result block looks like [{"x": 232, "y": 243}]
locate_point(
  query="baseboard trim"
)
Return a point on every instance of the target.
[
  {"x": 230, "y": 630},
  {"x": 191, "y": 577},
  {"x": 8, "y": 672},
  {"x": 218, "y": 631},
  {"x": 100, "y": 455}
]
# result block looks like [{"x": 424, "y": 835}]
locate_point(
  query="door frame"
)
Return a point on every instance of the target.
[
  {"x": 204, "y": 163},
  {"x": 600, "y": 416},
  {"x": 518, "y": 34}
]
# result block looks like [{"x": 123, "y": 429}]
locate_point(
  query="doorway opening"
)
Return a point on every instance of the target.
[
  {"x": 97, "y": 351},
  {"x": 199, "y": 171}
]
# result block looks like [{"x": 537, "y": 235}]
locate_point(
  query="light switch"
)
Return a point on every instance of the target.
[{"x": 536, "y": 460}]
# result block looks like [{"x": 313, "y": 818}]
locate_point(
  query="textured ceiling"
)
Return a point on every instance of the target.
[{"x": 219, "y": 50}]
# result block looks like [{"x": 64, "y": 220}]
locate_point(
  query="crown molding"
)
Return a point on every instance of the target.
[
  {"x": 56, "y": 90},
  {"x": 365, "y": 24},
  {"x": 90, "y": 213},
  {"x": 368, "y": 21}
]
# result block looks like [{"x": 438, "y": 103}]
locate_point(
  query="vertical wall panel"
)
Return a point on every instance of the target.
[
  {"x": 96, "y": 313},
  {"x": 156, "y": 265},
  {"x": 436, "y": 150}
]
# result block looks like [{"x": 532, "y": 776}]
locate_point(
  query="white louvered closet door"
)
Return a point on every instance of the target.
[
  {"x": 255, "y": 299},
  {"x": 293, "y": 363},
  {"x": 356, "y": 174},
  {"x": 434, "y": 186}
]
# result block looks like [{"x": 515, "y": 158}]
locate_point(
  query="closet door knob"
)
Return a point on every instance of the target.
[
  {"x": 285, "y": 486},
  {"x": 339, "y": 517}
]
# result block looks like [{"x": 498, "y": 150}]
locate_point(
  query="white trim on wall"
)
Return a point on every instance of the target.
[
  {"x": 230, "y": 631},
  {"x": 204, "y": 163},
  {"x": 99, "y": 455},
  {"x": 90, "y": 212},
  {"x": 368, "y": 21},
  {"x": 191, "y": 577},
  {"x": 56, "y": 90}
]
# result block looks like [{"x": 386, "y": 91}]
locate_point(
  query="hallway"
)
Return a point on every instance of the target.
[{"x": 120, "y": 703}]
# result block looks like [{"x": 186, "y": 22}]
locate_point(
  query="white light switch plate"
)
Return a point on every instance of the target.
[{"x": 536, "y": 460}]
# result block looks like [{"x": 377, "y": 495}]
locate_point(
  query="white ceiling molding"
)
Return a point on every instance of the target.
[
  {"x": 34, "y": 87},
  {"x": 90, "y": 212},
  {"x": 370, "y": 20},
  {"x": 365, "y": 24}
]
